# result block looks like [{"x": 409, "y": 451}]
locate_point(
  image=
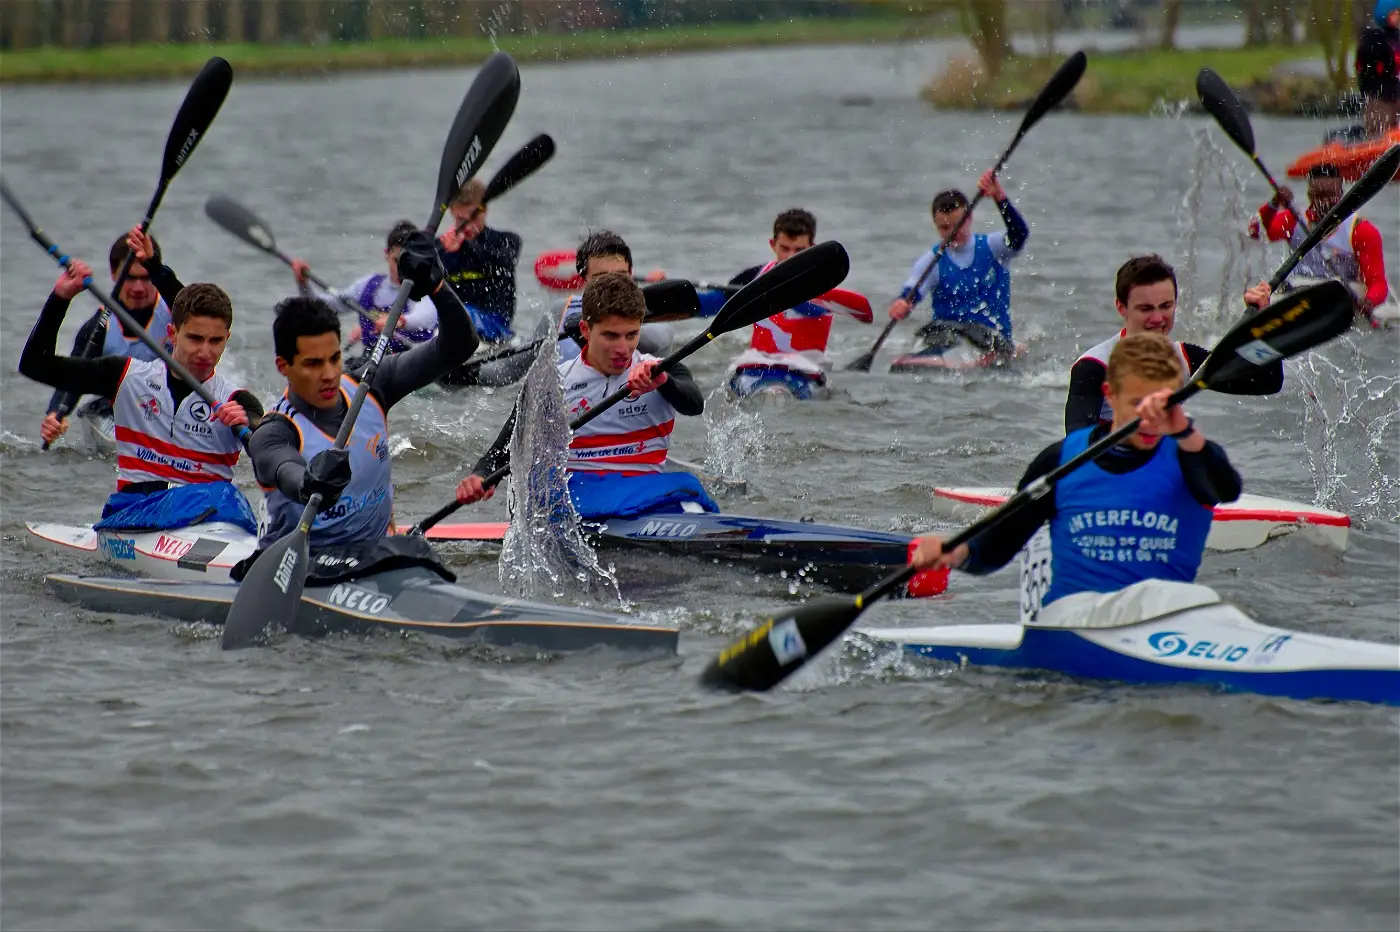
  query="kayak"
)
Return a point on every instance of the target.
[
  {"x": 1385, "y": 314},
  {"x": 202, "y": 552},
  {"x": 405, "y": 600},
  {"x": 776, "y": 382},
  {"x": 1239, "y": 525},
  {"x": 945, "y": 346},
  {"x": 842, "y": 558},
  {"x": 1351, "y": 159},
  {"x": 1210, "y": 643}
]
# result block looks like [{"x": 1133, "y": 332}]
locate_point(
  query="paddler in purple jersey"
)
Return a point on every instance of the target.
[{"x": 970, "y": 285}]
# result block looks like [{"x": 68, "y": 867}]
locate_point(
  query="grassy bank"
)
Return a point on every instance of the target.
[
  {"x": 1139, "y": 81},
  {"x": 139, "y": 62}
]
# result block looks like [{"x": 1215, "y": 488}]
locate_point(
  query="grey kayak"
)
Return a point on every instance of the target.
[{"x": 400, "y": 600}]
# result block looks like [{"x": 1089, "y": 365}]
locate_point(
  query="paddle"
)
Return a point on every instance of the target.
[
  {"x": 791, "y": 282},
  {"x": 668, "y": 300},
  {"x": 784, "y": 643},
  {"x": 202, "y": 102},
  {"x": 114, "y": 307},
  {"x": 272, "y": 587},
  {"x": 1220, "y": 102},
  {"x": 530, "y": 159},
  {"x": 1056, "y": 89}
]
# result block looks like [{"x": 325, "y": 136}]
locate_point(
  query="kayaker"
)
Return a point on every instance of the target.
[
  {"x": 1353, "y": 253},
  {"x": 790, "y": 346},
  {"x": 1145, "y": 294},
  {"x": 148, "y": 291},
  {"x": 374, "y": 295},
  {"x": 480, "y": 264},
  {"x": 970, "y": 287},
  {"x": 1378, "y": 69},
  {"x": 616, "y": 461},
  {"x": 174, "y": 462},
  {"x": 1140, "y": 511},
  {"x": 605, "y": 251},
  {"x": 293, "y": 448}
]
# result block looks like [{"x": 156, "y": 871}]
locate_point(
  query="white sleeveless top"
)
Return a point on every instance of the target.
[
  {"x": 1102, "y": 351},
  {"x": 158, "y": 442},
  {"x": 631, "y": 436},
  {"x": 1331, "y": 257}
]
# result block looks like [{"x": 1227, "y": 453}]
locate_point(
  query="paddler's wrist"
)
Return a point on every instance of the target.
[{"x": 1189, "y": 438}]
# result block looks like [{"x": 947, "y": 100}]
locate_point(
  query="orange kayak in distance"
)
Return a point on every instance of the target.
[{"x": 1352, "y": 160}]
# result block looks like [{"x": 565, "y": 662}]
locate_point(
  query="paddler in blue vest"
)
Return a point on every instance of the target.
[
  {"x": 617, "y": 460},
  {"x": 148, "y": 291},
  {"x": 293, "y": 448},
  {"x": 175, "y": 455},
  {"x": 970, "y": 287},
  {"x": 1141, "y": 511}
]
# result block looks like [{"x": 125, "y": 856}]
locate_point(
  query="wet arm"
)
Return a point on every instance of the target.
[
  {"x": 167, "y": 283},
  {"x": 1209, "y": 475},
  {"x": 276, "y": 456},
  {"x": 1085, "y": 400},
  {"x": 404, "y": 373},
  {"x": 682, "y": 392},
  {"x": 1017, "y": 230},
  {"x": 1370, "y": 257},
  {"x": 995, "y": 547},
  {"x": 101, "y": 375},
  {"x": 911, "y": 291}
]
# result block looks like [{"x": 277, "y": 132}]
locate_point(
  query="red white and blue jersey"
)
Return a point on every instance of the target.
[{"x": 631, "y": 436}]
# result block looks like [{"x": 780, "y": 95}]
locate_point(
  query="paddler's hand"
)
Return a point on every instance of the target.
[
  {"x": 71, "y": 281},
  {"x": 231, "y": 414},
  {"x": 52, "y": 428},
  {"x": 639, "y": 378},
  {"x": 328, "y": 474},
  {"x": 301, "y": 270},
  {"x": 420, "y": 262},
  {"x": 990, "y": 187},
  {"x": 1159, "y": 420},
  {"x": 140, "y": 244},
  {"x": 899, "y": 309},
  {"x": 452, "y": 238},
  {"x": 471, "y": 490},
  {"x": 1254, "y": 227},
  {"x": 928, "y": 553},
  {"x": 1259, "y": 295}
]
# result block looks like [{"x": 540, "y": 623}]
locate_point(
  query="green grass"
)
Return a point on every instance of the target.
[
  {"x": 166, "y": 61},
  {"x": 1137, "y": 82}
]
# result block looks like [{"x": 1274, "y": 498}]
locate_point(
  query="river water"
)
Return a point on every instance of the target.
[{"x": 151, "y": 781}]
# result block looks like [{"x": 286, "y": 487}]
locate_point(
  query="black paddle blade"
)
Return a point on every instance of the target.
[
  {"x": 202, "y": 103},
  {"x": 1055, "y": 90},
  {"x": 863, "y": 362},
  {"x": 1221, "y": 103},
  {"x": 671, "y": 299},
  {"x": 486, "y": 109},
  {"x": 780, "y": 646},
  {"x": 796, "y": 280},
  {"x": 270, "y": 592},
  {"x": 241, "y": 222},
  {"x": 530, "y": 159},
  {"x": 1291, "y": 325},
  {"x": 1367, "y": 186}
]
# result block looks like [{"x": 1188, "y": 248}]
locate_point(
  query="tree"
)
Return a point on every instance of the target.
[
  {"x": 1171, "y": 17},
  {"x": 985, "y": 24},
  {"x": 1329, "y": 21}
]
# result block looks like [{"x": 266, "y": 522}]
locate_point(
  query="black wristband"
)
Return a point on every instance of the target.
[{"x": 1186, "y": 432}]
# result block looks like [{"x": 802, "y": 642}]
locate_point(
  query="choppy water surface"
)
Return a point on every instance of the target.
[{"x": 152, "y": 781}]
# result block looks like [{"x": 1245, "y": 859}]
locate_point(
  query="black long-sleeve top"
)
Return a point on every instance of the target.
[
  {"x": 482, "y": 271},
  {"x": 679, "y": 390},
  {"x": 1085, "y": 400},
  {"x": 1208, "y": 474},
  {"x": 275, "y": 447}
]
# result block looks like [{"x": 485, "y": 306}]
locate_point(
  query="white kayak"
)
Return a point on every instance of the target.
[
  {"x": 1199, "y": 640},
  {"x": 1239, "y": 525},
  {"x": 203, "y": 552}
]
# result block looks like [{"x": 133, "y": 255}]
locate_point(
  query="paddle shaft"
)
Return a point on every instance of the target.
[{"x": 114, "y": 307}]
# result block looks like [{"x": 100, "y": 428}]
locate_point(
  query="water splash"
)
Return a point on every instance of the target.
[
  {"x": 1219, "y": 259},
  {"x": 545, "y": 554},
  {"x": 1351, "y": 420},
  {"x": 734, "y": 436}
]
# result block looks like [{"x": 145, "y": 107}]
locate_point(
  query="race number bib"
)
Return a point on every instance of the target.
[{"x": 1035, "y": 574}]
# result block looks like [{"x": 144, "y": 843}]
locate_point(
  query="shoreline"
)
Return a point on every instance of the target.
[{"x": 52, "y": 65}]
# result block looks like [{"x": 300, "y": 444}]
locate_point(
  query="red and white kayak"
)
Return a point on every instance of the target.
[{"x": 1240, "y": 525}]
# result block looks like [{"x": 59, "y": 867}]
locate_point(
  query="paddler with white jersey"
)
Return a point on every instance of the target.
[
  {"x": 147, "y": 292},
  {"x": 617, "y": 460},
  {"x": 1141, "y": 511},
  {"x": 1145, "y": 295},
  {"x": 293, "y": 450},
  {"x": 604, "y": 251},
  {"x": 175, "y": 456},
  {"x": 969, "y": 287},
  {"x": 374, "y": 294},
  {"x": 790, "y": 346},
  {"x": 1354, "y": 253}
]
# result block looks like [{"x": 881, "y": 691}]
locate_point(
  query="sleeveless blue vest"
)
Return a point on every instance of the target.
[
  {"x": 115, "y": 342},
  {"x": 978, "y": 294},
  {"x": 1111, "y": 531},
  {"x": 366, "y": 508}
]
